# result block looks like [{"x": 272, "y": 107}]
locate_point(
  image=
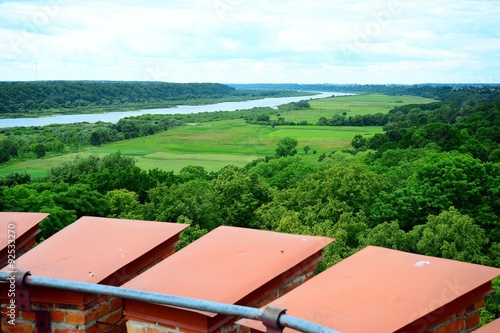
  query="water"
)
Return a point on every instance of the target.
[{"x": 113, "y": 117}]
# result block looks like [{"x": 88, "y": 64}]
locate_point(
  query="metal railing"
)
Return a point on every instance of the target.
[{"x": 275, "y": 319}]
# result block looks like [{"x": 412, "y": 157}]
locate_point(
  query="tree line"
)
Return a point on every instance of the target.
[
  {"x": 22, "y": 99},
  {"x": 443, "y": 92}
]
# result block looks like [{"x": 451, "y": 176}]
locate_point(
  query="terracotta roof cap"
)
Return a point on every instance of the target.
[
  {"x": 92, "y": 249},
  {"x": 379, "y": 290}
]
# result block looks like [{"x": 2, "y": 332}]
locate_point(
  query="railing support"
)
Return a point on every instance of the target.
[
  {"x": 275, "y": 318},
  {"x": 271, "y": 319},
  {"x": 23, "y": 301}
]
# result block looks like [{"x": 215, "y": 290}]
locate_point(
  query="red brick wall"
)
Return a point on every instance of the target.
[
  {"x": 463, "y": 321},
  {"x": 134, "y": 326},
  {"x": 103, "y": 314}
]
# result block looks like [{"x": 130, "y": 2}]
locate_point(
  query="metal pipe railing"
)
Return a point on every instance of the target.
[{"x": 282, "y": 320}]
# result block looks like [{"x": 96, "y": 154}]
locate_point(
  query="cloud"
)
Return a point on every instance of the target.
[{"x": 378, "y": 41}]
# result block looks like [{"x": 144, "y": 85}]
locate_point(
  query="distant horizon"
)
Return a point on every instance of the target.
[
  {"x": 262, "y": 41},
  {"x": 271, "y": 83}
]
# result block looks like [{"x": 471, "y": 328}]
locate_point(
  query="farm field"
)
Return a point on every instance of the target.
[
  {"x": 216, "y": 144},
  {"x": 352, "y": 106}
]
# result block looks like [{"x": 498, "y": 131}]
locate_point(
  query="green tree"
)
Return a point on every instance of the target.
[
  {"x": 306, "y": 149},
  {"x": 346, "y": 232},
  {"x": 325, "y": 194},
  {"x": 451, "y": 235},
  {"x": 286, "y": 147},
  {"x": 377, "y": 141},
  {"x": 38, "y": 198},
  {"x": 39, "y": 150},
  {"x": 194, "y": 200},
  {"x": 388, "y": 235},
  {"x": 239, "y": 195},
  {"x": 190, "y": 234},
  {"x": 9, "y": 148},
  {"x": 123, "y": 204},
  {"x": 192, "y": 172},
  {"x": 58, "y": 146},
  {"x": 15, "y": 178},
  {"x": 284, "y": 172},
  {"x": 358, "y": 142},
  {"x": 79, "y": 198},
  {"x": 491, "y": 309},
  {"x": 57, "y": 220},
  {"x": 444, "y": 135},
  {"x": 439, "y": 181},
  {"x": 96, "y": 139}
]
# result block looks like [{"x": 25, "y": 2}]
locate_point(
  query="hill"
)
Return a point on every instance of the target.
[{"x": 22, "y": 99}]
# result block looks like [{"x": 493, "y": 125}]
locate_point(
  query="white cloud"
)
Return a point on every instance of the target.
[{"x": 251, "y": 41}]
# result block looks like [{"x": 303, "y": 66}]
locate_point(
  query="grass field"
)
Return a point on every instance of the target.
[
  {"x": 216, "y": 144},
  {"x": 352, "y": 106}
]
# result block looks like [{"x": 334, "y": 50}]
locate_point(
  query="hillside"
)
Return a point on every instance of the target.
[{"x": 22, "y": 99}]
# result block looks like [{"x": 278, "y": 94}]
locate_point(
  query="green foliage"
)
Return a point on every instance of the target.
[
  {"x": 324, "y": 195},
  {"x": 286, "y": 147},
  {"x": 123, "y": 204},
  {"x": 439, "y": 181},
  {"x": 239, "y": 195},
  {"x": 451, "y": 235},
  {"x": 15, "y": 178},
  {"x": 57, "y": 220},
  {"x": 358, "y": 142},
  {"x": 9, "y": 148},
  {"x": 300, "y": 105},
  {"x": 491, "y": 309},
  {"x": 378, "y": 119},
  {"x": 79, "y": 198},
  {"x": 190, "y": 234},
  {"x": 30, "y": 96},
  {"x": 194, "y": 200},
  {"x": 75, "y": 170},
  {"x": 39, "y": 150},
  {"x": 388, "y": 235},
  {"x": 284, "y": 172},
  {"x": 445, "y": 136},
  {"x": 192, "y": 172}
]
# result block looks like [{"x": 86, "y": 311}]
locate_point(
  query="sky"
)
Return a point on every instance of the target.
[{"x": 252, "y": 41}]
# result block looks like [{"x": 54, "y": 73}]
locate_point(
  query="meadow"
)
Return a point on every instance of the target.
[{"x": 216, "y": 144}]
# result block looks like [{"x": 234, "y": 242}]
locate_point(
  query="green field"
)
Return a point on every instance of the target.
[
  {"x": 216, "y": 144},
  {"x": 352, "y": 106}
]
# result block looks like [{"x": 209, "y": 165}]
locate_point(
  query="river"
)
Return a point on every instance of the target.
[{"x": 113, "y": 117}]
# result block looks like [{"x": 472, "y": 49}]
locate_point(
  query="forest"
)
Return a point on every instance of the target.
[
  {"x": 30, "y": 99},
  {"x": 430, "y": 184}
]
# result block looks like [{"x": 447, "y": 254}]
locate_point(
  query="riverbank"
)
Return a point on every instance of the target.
[{"x": 114, "y": 117}]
